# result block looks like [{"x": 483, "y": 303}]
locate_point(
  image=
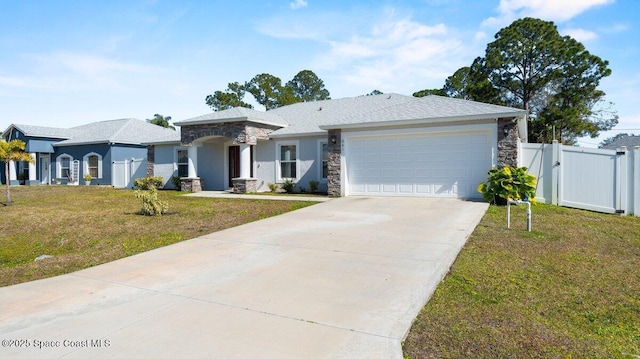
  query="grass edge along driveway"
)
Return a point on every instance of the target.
[
  {"x": 83, "y": 226},
  {"x": 568, "y": 289}
]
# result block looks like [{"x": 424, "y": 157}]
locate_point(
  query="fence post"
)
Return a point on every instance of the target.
[
  {"x": 621, "y": 181},
  {"x": 556, "y": 173},
  {"x": 635, "y": 185}
]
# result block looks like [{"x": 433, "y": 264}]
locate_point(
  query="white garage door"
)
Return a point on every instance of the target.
[{"x": 448, "y": 164}]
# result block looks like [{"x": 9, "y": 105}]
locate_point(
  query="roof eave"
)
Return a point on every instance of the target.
[
  {"x": 230, "y": 119},
  {"x": 425, "y": 121},
  {"x": 301, "y": 134}
]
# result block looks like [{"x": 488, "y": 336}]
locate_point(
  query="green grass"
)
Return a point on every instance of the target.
[
  {"x": 88, "y": 225},
  {"x": 568, "y": 289}
]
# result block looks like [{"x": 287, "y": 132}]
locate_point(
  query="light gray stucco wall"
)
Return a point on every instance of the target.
[{"x": 211, "y": 166}]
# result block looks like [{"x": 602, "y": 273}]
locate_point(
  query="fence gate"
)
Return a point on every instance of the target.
[
  {"x": 591, "y": 179},
  {"x": 124, "y": 172},
  {"x": 594, "y": 179}
]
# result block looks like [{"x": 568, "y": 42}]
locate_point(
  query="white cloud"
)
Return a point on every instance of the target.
[
  {"x": 396, "y": 55},
  {"x": 550, "y": 10},
  {"x": 581, "y": 35},
  {"x": 298, "y": 4}
]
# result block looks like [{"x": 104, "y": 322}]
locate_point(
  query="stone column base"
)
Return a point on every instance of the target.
[
  {"x": 245, "y": 185},
  {"x": 188, "y": 184}
]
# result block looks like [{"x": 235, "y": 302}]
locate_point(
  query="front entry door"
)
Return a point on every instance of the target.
[
  {"x": 234, "y": 163},
  {"x": 45, "y": 170}
]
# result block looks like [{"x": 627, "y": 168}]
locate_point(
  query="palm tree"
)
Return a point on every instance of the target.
[
  {"x": 12, "y": 151},
  {"x": 162, "y": 121}
]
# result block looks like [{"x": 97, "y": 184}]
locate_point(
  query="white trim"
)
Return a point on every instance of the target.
[
  {"x": 319, "y": 161},
  {"x": 85, "y": 166},
  {"x": 279, "y": 144},
  {"x": 59, "y": 164}
]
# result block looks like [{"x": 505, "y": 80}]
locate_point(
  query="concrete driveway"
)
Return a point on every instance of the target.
[{"x": 340, "y": 279}]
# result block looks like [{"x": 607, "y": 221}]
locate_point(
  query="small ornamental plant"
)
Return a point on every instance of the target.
[
  {"x": 87, "y": 177},
  {"x": 151, "y": 204},
  {"x": 508, "y": 183}
]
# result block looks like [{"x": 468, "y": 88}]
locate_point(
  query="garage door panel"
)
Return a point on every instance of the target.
[{"x": 433, "y": 165}]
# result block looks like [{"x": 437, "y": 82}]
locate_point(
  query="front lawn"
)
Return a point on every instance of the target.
[
  {"x": 83, "y": 226},
  {"x": 568, "y": 289}
]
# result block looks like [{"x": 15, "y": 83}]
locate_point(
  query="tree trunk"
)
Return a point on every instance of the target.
[{"x": 8, "y": 182}]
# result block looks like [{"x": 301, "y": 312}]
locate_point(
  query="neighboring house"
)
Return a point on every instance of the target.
[
  {"x": 387, "y": 144},
  {"x": 110, "y": 151},
  {"x": 625, "y": 141}
]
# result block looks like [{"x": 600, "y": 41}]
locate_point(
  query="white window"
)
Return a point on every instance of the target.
[
  {"x": 182, "y": 162},
  {"x": 323, "y": 160},
  {"x": 63, "y": 166},
  {"x": 287, "y": 160},
  {"x": 93, "y": 164}
]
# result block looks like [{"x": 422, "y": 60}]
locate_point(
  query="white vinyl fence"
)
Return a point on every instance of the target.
[
  {"x": 594, "y": 179},
  {"x": 124, "y": 172}
]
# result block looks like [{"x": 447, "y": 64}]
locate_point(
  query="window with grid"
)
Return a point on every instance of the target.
[
  {"x": 183, "y": 163},
  {"x": 65, "y": 167},
  {"x": 93, "y": 165},
  {"x": 288, "y": 161}
]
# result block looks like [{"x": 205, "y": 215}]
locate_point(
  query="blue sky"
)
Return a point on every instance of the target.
[{"x": 66, "y": 63}]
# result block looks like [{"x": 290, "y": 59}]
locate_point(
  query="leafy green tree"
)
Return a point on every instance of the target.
[
  {"x": 269, "y": 91},
  {"x": 161, "y": 121},
  {"x": 427, "y": 92},
  {"x": 229, "y": 98},
  {"x": 375, "y": 92},
  {"x": 266, "y": 89},
  {"x": 12, "y": 151},
  {"x": 553, "y": 77},
  {"x": 306, "y": 86}
]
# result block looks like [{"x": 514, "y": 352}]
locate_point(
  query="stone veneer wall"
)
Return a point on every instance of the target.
[
  {"x": 240, "y": 132},
  {"x": 245, "y": 185},
  {"x": 507, "y": 142},
  {"x": 151, "y": 158},
  {"x": 333, "y": 164}
]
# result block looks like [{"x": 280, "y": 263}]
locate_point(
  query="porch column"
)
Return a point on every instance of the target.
[
  {"x": 32, "y": 168},
  {"x": 245, "y": 161},
  {"x": 193, "y": 161},
  {"x": 12, "y": 171}
]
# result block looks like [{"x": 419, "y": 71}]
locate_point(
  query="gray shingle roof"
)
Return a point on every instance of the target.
[
  {"x": 123, "y": 131},
  {"x": 382, "y": 110},
  {"x": 628, "y": 141},
  {"x": 237, "y": 114},
  {"x": 43, "y": 131},
  {"x": 309, "y": 118}
]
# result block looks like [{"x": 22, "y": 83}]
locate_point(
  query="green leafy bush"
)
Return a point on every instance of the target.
[
  {"x": 146, "y": 183},
  {"x": 151, "y": 204},
  {"x": 288, "y": 185},
  {"x": 273, "y": 187},
  {"x": 313, "y": 186},
  {"x": 177, "y": 183},
  {"x": 508, "y": 183}
]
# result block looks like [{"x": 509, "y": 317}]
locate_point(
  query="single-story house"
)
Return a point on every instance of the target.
[
  {"x": 383, "y": 145},
  {"x": 110, "y": 151}
]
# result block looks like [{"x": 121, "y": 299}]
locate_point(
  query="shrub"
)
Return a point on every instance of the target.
[
  {"x": 273, "y": 187},
  {"x": 151, "y": 205},
  {"x": 177, "y": 183},
  {"x": 508, "y": 183},
  {"x": 288, "y": 185},
  {"x": 146, "y": 183},
  {"x": 313, "y": 186}
]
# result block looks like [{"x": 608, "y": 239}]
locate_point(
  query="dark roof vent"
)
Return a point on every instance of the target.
[
  {"x": 388, "y": 98},
  {"x": 320, "y": 108}
]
